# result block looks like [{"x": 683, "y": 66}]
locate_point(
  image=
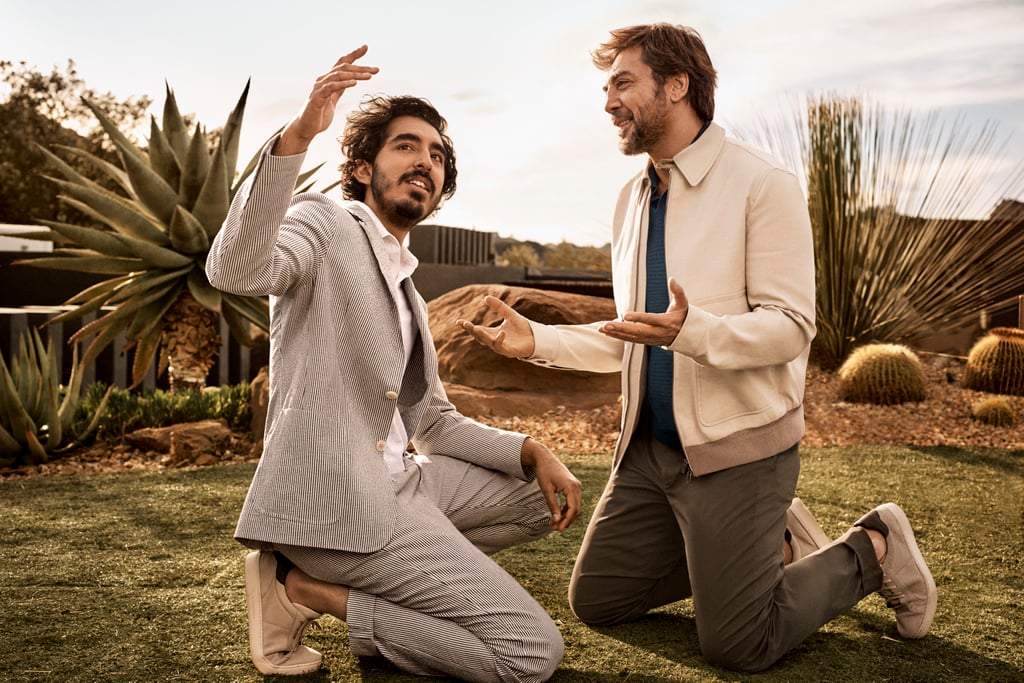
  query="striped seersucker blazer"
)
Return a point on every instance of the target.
[{"x": 336, "y": 368}]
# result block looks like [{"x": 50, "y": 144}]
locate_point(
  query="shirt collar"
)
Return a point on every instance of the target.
[{"x": 403, "y": 261}]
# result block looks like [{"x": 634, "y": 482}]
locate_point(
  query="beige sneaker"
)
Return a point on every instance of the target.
[
  {"x": 805, "y": 534},
  {"x": 276, "y": 624},
  {"x": 907, "y": 585}
]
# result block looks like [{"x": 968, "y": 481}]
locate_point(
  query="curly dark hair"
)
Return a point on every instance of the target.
[
  {"x": 669, "y": 50},
  {"x": 365, "y": 132}
]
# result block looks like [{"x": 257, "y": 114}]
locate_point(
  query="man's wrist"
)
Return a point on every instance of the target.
[{"x": 290, "y": 143}]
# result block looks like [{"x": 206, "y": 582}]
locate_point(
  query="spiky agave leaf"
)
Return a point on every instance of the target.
[
  {"x": 16, "y": 420},
  {"x": 123, "y": 215},
  {"x": 85, "y": 261},
  {"x": 113, "y": 172},
  {"x": 162, "y": 157},
  {"x": 211, "y": 206},
  {"x": 197, "y": 167},
  {"x": 233, "y": 131},
  {"x": 174, "y": 126}
]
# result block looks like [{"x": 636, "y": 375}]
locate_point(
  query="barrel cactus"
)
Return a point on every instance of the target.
[
  {"x": 883, "y": 374},
  {"x": 995, "y": 363},
  {"x": 995, "y": 411}
]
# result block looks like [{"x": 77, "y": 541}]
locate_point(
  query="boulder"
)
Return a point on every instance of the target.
[
  {"x": 480, "y": 382},
  {"x": 185, "y": 443}
]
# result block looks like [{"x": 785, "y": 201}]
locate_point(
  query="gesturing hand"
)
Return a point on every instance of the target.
[
  {"x": 554, "y": 479},
  {"x": 318, "y": 114},
  {"x": 652, "y": 329},
  {"x": 512, "y": 338}
]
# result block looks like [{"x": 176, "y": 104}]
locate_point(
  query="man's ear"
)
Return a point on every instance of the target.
[
  {"x": 678, "y": 86},
  {"x": 363, "y": 173}
]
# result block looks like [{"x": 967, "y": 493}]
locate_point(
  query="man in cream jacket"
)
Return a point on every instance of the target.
[{"x": 713, "y": 273}]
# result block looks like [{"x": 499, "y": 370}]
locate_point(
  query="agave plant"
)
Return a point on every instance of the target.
[
  {"x": 152, "y": 237},
  {"x": 36, "y": 411}
]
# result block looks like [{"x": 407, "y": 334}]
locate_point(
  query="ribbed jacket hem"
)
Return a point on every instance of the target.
[{"x": 746, "y": 446}]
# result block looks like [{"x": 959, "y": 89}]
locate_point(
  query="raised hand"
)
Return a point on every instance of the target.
[
  {"x": 512, "y": 338},
  {"x": 318, "y": 114},
  {"x": 652, "y": 329}
]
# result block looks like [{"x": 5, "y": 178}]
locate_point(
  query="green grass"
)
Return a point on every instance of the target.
[{"x": 135, "y": 577}]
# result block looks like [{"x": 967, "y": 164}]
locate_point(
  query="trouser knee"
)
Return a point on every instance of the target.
[
  {"x": 542, "y": 661},
  {"x": 748, "y": 655},
  {"x": 596, "y": 607}
]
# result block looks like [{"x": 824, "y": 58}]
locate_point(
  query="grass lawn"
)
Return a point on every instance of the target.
[{"x": 135, "y": 577}]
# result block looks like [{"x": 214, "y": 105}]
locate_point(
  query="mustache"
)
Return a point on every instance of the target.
[
  {"x": 621, "y": 114},
  {"x": 418, "y": 174}
]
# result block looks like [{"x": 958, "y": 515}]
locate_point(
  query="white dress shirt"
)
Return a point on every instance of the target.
[{"x": 403, "y": 263}]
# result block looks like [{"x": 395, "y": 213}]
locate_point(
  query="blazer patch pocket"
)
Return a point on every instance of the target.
[{"x": 301, "y": 469}]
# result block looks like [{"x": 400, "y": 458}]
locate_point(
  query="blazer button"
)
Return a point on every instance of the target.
[
  {"x": 381, "y": 445},
  {"x": 392, "y": 395}
]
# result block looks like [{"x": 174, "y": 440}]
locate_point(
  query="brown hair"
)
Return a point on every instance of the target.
[
  {"x": 669, "y": 50},
  {"x": 365, "y": 133}
]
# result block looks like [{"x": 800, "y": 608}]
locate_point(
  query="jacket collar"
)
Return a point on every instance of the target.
[{"x": 696, "y": 159}]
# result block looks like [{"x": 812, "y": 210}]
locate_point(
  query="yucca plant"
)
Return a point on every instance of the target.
[
  {"x": 152, "y": 238},
  {"x": 893, "y": 198},
  {"x": 36, "y": 410}
]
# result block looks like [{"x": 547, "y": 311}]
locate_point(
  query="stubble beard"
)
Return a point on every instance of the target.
[
  {"x": 648, "y": 126},
  {"x": 404, "y": 213}
]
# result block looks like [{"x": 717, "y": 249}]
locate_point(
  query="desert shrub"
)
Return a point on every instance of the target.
[
  {"x": 994, "y": 411},
  {"x": 883, "y": 374},
  {"x": 996, "y": 362},
  {"x": 127, "y": 411}
]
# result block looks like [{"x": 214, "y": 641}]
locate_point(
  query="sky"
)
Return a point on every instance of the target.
[{"x": 537, "y": 155}]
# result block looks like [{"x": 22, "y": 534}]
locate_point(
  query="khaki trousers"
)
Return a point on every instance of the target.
[
  {"x": 659, "y": 535},
  {"x": 432, "y": 601}
]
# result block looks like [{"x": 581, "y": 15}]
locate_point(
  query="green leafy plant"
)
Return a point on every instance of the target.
[
  {"x": 882, "y": 374},
  {"x": 152, "y": 237},
  {"x": 126, "y": 411},
  {"x": 995, "y": 411},
  {"x": 893, "y": 198},
  {"x": 36, "y": 410},
  {"x": 996, "y": 362}
]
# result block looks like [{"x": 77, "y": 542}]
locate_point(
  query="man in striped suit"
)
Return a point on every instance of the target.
[{"x": 342, "y": 519}]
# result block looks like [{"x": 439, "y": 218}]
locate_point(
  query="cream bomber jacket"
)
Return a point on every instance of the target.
[{"x": 738, "y": 239}]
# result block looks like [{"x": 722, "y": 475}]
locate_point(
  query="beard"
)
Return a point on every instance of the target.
[
  {"x": 648, "y": 126},
  {"x": 405, "y": 212}
]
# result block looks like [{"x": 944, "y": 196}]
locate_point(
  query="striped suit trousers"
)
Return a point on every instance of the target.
[{"x": 432, "y": 601}]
